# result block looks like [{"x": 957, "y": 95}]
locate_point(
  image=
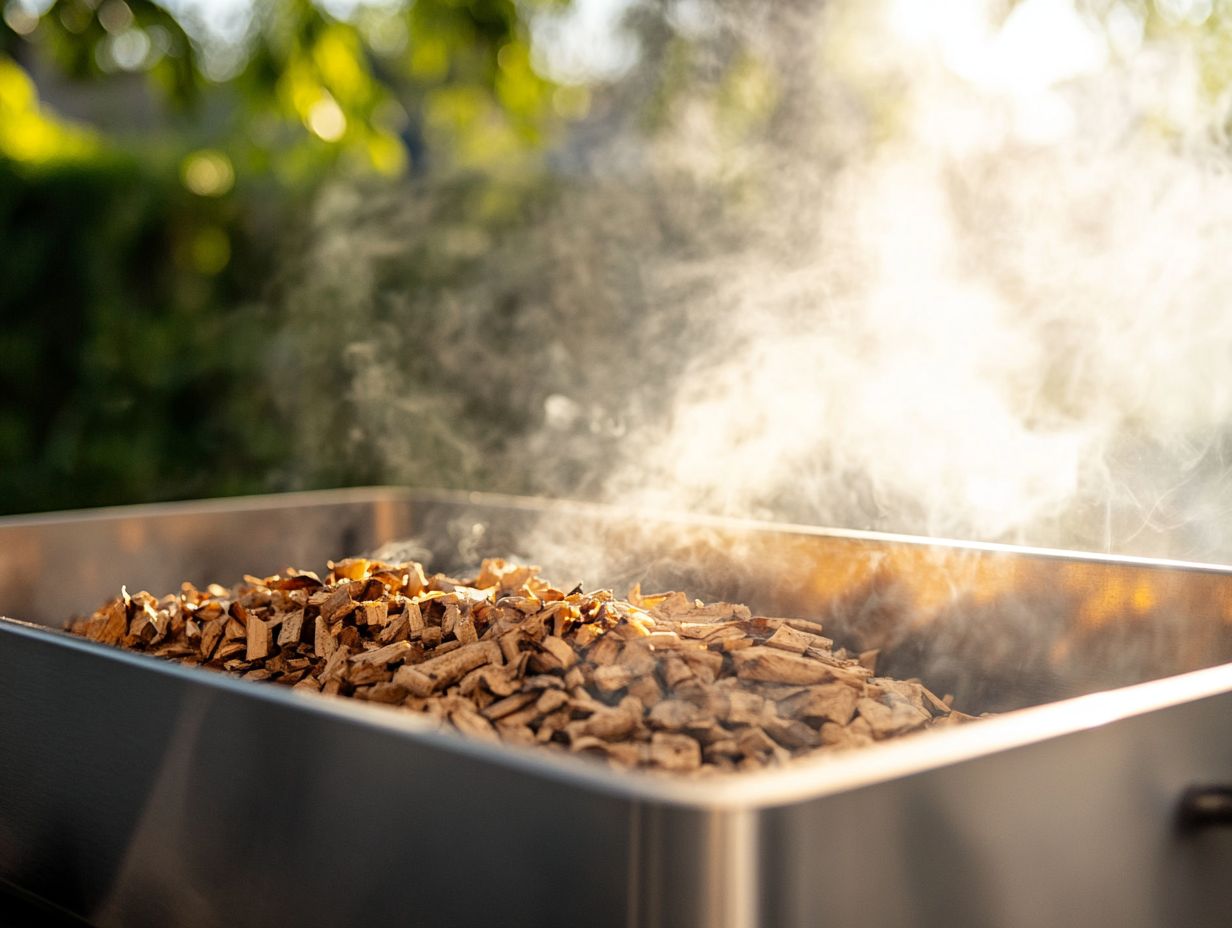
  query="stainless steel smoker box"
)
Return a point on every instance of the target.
[{"x": 138, "y": 792}]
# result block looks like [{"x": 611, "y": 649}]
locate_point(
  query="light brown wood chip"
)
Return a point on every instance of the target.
[
  {"x": 774, "y": 666},
  {"x": 424, "y": 678},
  {"x": 258, "y": 640}
]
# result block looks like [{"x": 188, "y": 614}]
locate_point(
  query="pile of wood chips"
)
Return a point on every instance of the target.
[{"x": 657, "y": 681}]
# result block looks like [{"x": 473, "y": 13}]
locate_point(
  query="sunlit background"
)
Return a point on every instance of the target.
[{"x": 944, "y": 268}]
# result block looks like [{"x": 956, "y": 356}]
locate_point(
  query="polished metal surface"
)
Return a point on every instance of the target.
[{"x": 138, "y": 792}]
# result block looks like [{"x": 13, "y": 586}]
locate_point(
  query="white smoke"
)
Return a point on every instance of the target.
[
  {"x": 953, "y": 269},
  {"x": 1009, "y": 319}
]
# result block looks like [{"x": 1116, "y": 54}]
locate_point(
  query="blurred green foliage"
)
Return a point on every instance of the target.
[
  {"x": 135, "y": 254},
  {"x": 163, "y": 251},
  {"x": 128, "y": 361}
]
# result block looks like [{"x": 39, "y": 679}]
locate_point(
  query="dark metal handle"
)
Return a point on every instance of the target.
[{"x": 1205, "y": 806}]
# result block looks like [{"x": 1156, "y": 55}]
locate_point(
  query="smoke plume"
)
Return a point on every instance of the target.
[{"x": 870, "y": 265}]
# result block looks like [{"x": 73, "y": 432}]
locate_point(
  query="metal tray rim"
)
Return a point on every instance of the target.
[
  {"x": 380, "y": 492},
  {"x": 804, "y": 779}
]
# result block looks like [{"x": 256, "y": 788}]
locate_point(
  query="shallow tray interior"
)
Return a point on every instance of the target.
[{"x": 998, "y": 627}]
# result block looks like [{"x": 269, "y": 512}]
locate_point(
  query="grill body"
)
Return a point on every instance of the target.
[{"x": 138, "y": 792}]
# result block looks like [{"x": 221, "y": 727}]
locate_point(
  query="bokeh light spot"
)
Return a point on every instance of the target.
[
  {"x": 130, "y": 50},
  {"x": 115, "y": 16},
  {"x": 208, "y": 173},
  {"x": 326, "y": 119},
  {"x": 19, "y": 19}
]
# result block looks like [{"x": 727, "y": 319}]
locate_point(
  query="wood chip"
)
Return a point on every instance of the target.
[
  {"x": 290, "y": 629},
  {"x": 835, "y": 702},
  {"x": 675, "y": 714},
  {"x": 611, "y": 678},
  {"x": 373, "y": 613},
  {"x": 335, "y": 668},
  {"x": 433, "y": 674},
  {"x": 510, "y": 705},
  {"x": 258, "y": 640},
  {"x": 414, "y": 618},
  {"x": 890, "y": 719},
  {"x": 390, "y": 654},
  {"x": 675, "y": 752},
  {"x": 337, "y": 603},
  {"x": 772, "y": 665},
  {"x": 559, "y": 649},
  {"x": 324, "y": 643},
  {"x": 211, "y": 634}
]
